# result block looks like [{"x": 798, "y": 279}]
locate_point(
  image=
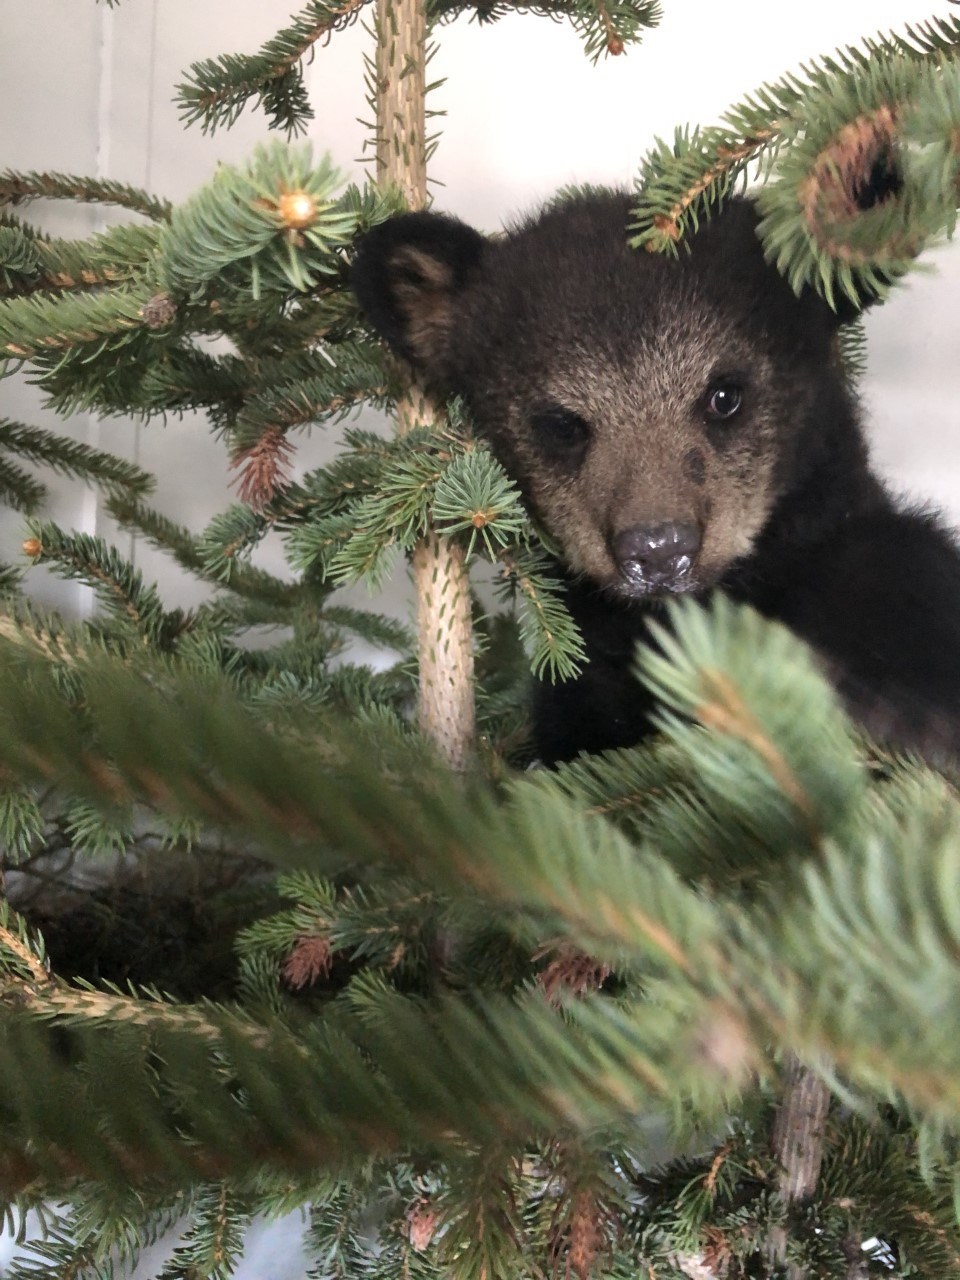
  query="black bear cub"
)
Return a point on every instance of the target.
[{"x": 679, "y": 425}]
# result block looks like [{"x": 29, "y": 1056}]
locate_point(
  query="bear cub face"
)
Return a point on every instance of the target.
[{"x": 652, "y": 409}]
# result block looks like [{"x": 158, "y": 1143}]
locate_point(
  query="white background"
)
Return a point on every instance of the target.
[{"x": 88, "y": 89}]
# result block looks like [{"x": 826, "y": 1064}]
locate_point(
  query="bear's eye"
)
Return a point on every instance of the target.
[
  {"x": 560, "y": 432},
  {"x": 723, "y": 400}
]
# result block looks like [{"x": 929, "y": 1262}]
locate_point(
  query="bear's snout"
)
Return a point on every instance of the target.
[{"x": 657, "y": 557}]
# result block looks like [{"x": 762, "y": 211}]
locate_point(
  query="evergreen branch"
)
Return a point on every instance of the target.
[
  {"x": 604, "y": 26},
  {"x": 310, "y": 1098},
  {"x": 376, "y": 628},
  {"x": 19, "y": 258},
  {"x": 10, "y": 582},
  {"x": 218, "y": 89},
  {"x": 199, "y": 747},
  {"x": 107, "y": 258},
  {"x": 28, "y": 986},
  {"x": 678, "y": 183},
  {"x": 119, "y": 586},
  {"x": 32, "y": 325},
  {"x": 149, "y": 381},
  {"x": 263, "y": 468},
  {"x": 741, "y": 978},
  {"x": 708, "y": 675},
  {"x": 103, "y": 1228},
  {"x": 21, "y": 822},
  {"x": 475, "y": 495},
  {"x": 19, "y": 489},
  {"x": 794, "y": 970},
  {"x": 17, "y": 187},
  {"x": 693, "y": 176},
  {"x": 15, "y": 942},
  {"x": 607, "y": 27},
  {"x": 189, "y": 552},
  {"x": 24, "y": 629},
  {"x": 375, "y": 499},
  {"x": 214, "y": 1243},
  {"x": 334, "y": 490},
  {"x": 352, "y": 376},
  {"x": 273, "y": 225},
  {"x": 842, "y": 234},
  {"x": 549, "y": 633},
  {"x": 358, "y": 544},
  {"x": 233, "y": 534},
  {"x": 72, "y": 458}
]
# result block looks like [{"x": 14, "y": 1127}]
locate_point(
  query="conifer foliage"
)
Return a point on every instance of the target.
[{"x": 683, "y": 1010}]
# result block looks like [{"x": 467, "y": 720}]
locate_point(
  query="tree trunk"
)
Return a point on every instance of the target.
[
  {"x": 445, "y": 644},
  {"x": 797, "y": 1142}
]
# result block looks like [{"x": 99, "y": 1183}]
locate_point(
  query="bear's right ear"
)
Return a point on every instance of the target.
[{"x": 407, "y": 274}]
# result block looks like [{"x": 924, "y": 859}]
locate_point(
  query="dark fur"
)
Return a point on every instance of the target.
[{"x": 560, "y": 317}]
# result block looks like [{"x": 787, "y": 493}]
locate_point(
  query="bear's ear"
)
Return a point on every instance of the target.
[
  {"x": 407, "y": 274},
  {"x": 736, "y": 246}
]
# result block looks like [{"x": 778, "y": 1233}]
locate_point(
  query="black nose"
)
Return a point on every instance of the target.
[{"x": 657, "y": 555}]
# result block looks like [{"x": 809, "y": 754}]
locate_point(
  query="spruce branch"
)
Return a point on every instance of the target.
[
  {"x": 474, "y": 495},
  {"x": 189, "y": 552},
  {"x": 279, "y": 1100},
  {"x": 843, "y": 234},
  {"x": 73, "y": 458},
  {"x": 19, "y": 489},
  {"x": 111, "y": 257},
  {"x": 232, "y": 535},
  {"x": 101, "y": 1229},
  {"x": 32, "y": 325},
  {"x": 549, "y": 633},
  {"x": 214, "y": 1242},
  {"x": 317, "y": 398},
  {"x": 217, "y": 90},
  {"x": 23, "y": 627},
  {"x": 89, "y": 559},
  {"x": 378, "y": 628},
  {"x": 710, "y": 676},
  {"x": 17, "y": 187},
  {"x": 21, "y": 822},
  {"x": 679, "y": 184},
  {"x": 793, "y": 970},
  {"x": 156, "y": 376},
  {"x": 29, "y": 986},
  {"x": 272, "y": 225},
  {"x": 605, "y": 26},
  {"x": 19, "y": 259}
]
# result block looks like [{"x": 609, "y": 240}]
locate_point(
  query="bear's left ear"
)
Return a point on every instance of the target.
[
  {"x": 735, "y": 246},
  {"x": 407, "y": 274}
]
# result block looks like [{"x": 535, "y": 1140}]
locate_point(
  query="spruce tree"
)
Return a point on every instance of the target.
[{"x": 683, "y": 1010}]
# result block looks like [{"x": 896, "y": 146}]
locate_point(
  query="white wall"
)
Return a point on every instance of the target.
[{"x": 87, "y": 88}]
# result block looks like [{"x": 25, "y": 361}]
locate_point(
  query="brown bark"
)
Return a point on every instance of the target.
[{"x": 797, "y": 1142}]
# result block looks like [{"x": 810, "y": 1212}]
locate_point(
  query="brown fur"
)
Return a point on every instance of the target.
[
  {"x": 562, "y": 312},
  {"x": 592, "y": 370}
]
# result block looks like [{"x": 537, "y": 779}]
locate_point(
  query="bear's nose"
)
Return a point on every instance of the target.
[{"x": 654, "y": 556}]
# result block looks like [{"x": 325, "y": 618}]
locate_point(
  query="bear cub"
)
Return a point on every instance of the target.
[{"x": 678, "y": 425}]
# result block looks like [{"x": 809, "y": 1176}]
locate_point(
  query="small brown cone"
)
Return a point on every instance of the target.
[
  {"x": 309, "y": 960},
  {"x": 422, "y": 1222}
]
